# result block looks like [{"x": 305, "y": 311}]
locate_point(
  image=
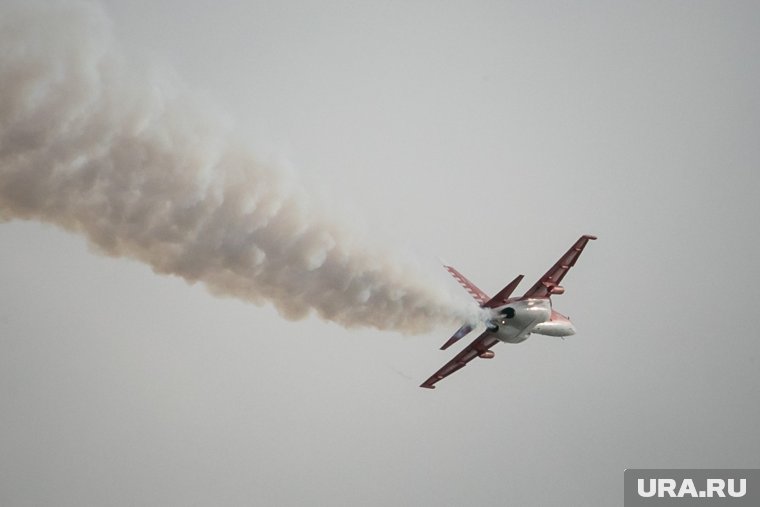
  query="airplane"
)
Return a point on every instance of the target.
[{"x": 512, "y": 320}]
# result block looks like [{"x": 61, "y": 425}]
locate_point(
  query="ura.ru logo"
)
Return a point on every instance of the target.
[{"x": 687, "y": 489}]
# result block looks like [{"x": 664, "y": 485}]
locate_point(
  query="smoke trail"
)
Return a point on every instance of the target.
[{"x": 136, "y": 164}]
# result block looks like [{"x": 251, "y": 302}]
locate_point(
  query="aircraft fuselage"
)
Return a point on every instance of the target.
[{"x": 519, "y": 318}]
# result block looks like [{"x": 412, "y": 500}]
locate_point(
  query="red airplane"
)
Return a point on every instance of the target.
[{"x": 512, "y": 320}]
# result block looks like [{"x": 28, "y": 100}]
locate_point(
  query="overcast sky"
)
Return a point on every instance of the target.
[{"x": 491, "y": 134}]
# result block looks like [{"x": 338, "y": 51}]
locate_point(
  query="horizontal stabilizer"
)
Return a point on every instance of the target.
[
  {"x": 470, "y": 287},
  {"x": 461, "y": 333}
]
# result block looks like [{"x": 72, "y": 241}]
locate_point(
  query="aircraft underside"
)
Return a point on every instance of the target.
[
  {"x": 512, "y": 320},
  {"x": 525, "y": 316}
]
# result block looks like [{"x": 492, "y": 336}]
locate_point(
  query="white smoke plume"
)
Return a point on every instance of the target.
[{"x": 132, "y": 161}]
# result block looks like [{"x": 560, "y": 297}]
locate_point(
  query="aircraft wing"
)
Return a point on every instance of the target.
[
  {"x": 480, "y": 345},
  {"x": 550, "y": 283}
]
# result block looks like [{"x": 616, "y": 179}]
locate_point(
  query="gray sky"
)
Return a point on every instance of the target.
[{"x": 490, "y": 134}]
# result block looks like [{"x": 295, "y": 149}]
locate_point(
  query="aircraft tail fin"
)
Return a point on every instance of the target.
[{"x": 501, "y": 298}]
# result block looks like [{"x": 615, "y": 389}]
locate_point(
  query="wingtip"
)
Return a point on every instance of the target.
[
  {"x": 589, "y": 236},
  {"x": 427, "y": 386}
]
